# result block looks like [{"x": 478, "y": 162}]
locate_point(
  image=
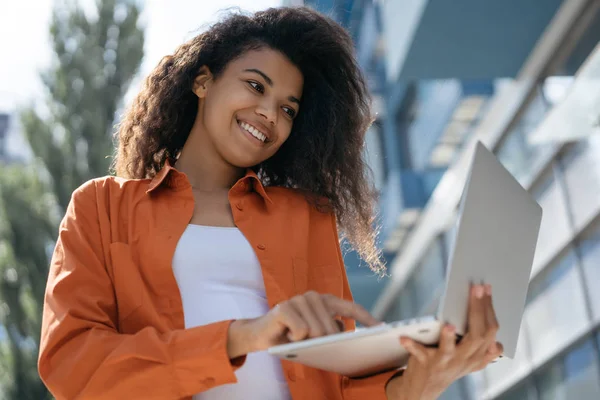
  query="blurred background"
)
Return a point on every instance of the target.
[{"x": 523, "y": 76}]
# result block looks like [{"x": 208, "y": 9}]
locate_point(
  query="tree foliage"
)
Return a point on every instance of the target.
[{"x": 97, "y": 52}]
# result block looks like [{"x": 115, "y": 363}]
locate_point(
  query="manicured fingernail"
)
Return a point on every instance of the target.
[
  {"x": 488, "y": 289},
  {"x": 479, "y": 291}
]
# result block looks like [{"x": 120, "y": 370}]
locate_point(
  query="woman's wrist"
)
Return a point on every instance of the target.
[
  {"x": 402, "y": 387},
  {"x": 239, "y": 342}
]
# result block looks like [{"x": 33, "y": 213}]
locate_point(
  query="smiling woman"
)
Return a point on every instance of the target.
[
  {"x": 218, "y": 237},
  {"x": 256, "y": 95}
]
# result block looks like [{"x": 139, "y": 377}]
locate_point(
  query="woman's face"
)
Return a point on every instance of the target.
[{"x": 247, "y": 113}]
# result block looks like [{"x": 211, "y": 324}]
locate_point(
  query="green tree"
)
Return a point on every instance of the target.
[{"x": 96, "y": 55}]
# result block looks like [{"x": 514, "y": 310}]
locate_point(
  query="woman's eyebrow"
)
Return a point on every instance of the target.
[
  {"x": 270, "y": 82},
  {"x": 258, "y": 71}
]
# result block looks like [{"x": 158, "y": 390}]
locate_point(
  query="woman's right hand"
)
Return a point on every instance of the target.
[{"x": 304, "y": 316}]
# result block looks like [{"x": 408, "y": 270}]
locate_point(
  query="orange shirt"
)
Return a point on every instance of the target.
[{"x": 113, "y": 325}]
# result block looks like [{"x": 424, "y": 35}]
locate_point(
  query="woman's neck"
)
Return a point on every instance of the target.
[{"x": 204, "y": 168}]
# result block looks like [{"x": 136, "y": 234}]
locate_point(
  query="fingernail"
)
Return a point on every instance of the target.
[
  {"x": 450, "y": 329},
  {"x": 404, "y": 342},
  {"x": 488, "y": 289},
  {"x": 479, "y": 291}
]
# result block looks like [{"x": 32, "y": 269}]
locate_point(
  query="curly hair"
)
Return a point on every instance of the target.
[{"x": 323, "y": 155}]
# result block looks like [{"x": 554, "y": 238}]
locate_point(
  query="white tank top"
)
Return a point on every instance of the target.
[{"x": 220, "y": 278}]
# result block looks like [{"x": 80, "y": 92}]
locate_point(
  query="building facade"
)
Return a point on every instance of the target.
[{"x": 522, "y": 77}]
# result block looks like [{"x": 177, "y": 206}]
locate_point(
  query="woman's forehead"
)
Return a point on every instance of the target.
[{"x": 272, "y": 64}]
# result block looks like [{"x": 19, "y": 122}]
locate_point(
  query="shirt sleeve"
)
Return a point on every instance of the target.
[
  {"x": 372, "y": 387},
  {"x": 83, "y": 356}
]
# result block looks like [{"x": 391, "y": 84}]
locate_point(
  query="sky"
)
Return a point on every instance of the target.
[{"x": 25, "y": 42}]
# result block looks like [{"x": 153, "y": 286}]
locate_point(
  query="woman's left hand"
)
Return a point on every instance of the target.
[{"x": 430, "y": 371}]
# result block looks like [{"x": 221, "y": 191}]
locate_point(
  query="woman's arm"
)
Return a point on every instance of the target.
[
  {"x": 82, "y": 356},
  {"x": 372, "y": 387}
]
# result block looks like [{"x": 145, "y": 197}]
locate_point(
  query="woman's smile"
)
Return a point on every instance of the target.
[{"x": 256, "y": 135}]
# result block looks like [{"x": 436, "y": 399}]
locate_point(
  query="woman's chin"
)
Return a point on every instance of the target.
[{"x": 243, "y": 163}]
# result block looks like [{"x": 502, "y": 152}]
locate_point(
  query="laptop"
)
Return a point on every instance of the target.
[{"x": 495, "y": 243}]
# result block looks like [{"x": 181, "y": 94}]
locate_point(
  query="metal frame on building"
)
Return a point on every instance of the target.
[{"x": 505, "y": 108}]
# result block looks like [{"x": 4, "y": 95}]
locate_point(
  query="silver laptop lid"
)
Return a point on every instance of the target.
[{"x": 495, "y": 243}]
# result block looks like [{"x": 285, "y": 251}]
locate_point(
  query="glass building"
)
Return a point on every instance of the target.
[{"x": 522, "y": 76}]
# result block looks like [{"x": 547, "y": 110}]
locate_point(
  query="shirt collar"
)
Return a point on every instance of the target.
[{"x": 248, "y": 182}]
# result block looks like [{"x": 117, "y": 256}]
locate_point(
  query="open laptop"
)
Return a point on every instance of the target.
[{"x": 495, "y": 243}]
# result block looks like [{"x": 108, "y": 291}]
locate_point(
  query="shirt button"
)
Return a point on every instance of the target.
[
  {"x": 291, "y": 375},
  {"x": 345, "y": 382},
  {"x": 261, "y": 247}
]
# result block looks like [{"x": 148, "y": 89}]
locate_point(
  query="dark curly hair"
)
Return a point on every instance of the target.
[{"x": 323, "y": 155}]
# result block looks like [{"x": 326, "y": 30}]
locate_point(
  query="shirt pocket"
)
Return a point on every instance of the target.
[{"x": 127, "y": 280}]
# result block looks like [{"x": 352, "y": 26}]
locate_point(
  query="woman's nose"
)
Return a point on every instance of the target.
[{"x": 268, "y": 112}]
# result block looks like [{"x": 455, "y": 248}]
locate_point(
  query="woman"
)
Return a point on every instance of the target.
[{"x": 218, "y": 239}]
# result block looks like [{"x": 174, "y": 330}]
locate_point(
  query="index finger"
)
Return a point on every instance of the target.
[{"x": 348, "y": 309}]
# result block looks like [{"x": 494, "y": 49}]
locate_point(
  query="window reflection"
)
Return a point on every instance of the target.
[
  {"x": 506, "y": 369},
  {"x": 581, "y": 169},
  {"x": 550, "y": 383},
  {"x": 454, "y": 392},
  {"x": 555, "y": 229},
  {"x": 429, "y": 276},
  {"x": 374, "y": 155},
  {"x": 521, "y": 392},
  {"x": 581, "y": 373},
  {"x": 518, "y": 155},
  {"x": 590, "y": 256},
  {"x": 407, "y": 301},
  {"x": 556, "y": 310},
  {"x": 404, "y": 306}
]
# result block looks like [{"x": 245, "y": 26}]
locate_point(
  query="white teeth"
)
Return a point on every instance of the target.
[{"x": 253, "y": 131}]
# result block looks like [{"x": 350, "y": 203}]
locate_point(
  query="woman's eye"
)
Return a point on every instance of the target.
[
  {"x": 257, "y": 86},
  {"x": 290, "y": 111}
]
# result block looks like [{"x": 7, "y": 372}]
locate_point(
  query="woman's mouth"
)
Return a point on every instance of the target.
[{"x": 255, "y": 133}]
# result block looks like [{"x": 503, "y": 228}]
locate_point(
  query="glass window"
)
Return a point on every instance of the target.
[
  {"x": 475, "y": 385},
  {"x": 454, "y": 392},
  {"x": 556, "y": 310},
  {"x": 507, "y": 369},
  {"x": 590, "y": 257},
  {"x": 429, "y": 276},
  {"x": 374, "y": 155},
  {"x": 550, "y": 383},
  {"x": 581, "y": 373},
  {"x": 581, "y": 168},
  {"x": 521, "y": 392},
  {"x": 555, "y": 228},
  {"x": 436, "y": 101},
  {"x": 392, "y": 313},
  {"x": 406, "y": 299},
  {"x": 404, "y": 306},
  {"x": 522, "y": 158}
]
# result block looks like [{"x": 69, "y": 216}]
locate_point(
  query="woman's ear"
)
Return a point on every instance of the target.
[{"x": 202, "y": 81}]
